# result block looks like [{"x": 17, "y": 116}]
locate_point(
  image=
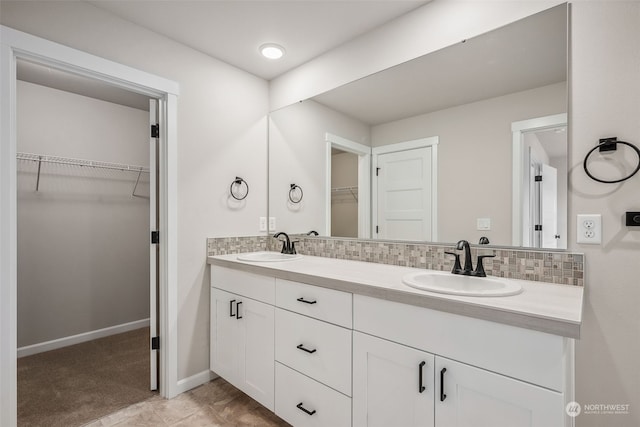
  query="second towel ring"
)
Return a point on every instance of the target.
[
  {"x": 295, "y": 193},
  {"x": 236, "y": 187},
  {"x": 605, "y": 145}
]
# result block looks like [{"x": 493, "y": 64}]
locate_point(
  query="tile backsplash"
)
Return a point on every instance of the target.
[{"x": 543, "y": 266}]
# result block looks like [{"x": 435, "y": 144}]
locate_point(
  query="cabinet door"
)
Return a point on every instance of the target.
[
  {"x": 256, "y": 320},
  {"x": 471, "y": 397},
  {"x": 225, "y": 336},
  {"x": 387, "y": 390}
]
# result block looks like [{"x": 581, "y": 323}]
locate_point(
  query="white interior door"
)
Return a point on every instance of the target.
[
  {"x": 153, "y": 248},
  {"x": 549, "y": 206},
  {"x": 405, "y": 195}
]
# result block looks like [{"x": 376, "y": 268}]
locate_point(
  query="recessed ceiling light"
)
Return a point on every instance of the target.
[{"x": 272, "y": 51}]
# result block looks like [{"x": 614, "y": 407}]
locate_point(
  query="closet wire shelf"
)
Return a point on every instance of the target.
[{"x": 41, "y": 158}]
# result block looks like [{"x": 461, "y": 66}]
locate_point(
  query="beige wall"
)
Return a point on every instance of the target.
[
  {"x": 474, "y": 157},
  {"x": 605, "y": 87},
  {"x": 297, "y": 154},
  {"x": 83, "y": 251},
  {"x": 221, "y": 118}
]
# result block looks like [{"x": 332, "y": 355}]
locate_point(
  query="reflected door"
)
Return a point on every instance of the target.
[
  {"x": 549, "y": 206},
  {"x": 404, "y": 195}
]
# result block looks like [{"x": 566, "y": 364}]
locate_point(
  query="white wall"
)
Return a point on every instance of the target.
[
  {"x": 221, "y": 119},
  {"x": 297, "y": 151},
  {"x": 83, "y": 251},
  {"x": 474, "y": 157}
]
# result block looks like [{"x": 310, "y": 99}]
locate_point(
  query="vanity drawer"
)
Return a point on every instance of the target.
[
  {"x": 317, "y": 349},
  {"x": 314, "y": 301},
  {"x": 258, "y": 287},
  {"x": 296, "y": 392}
]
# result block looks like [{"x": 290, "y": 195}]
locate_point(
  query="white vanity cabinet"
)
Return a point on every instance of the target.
[
  {"x": 313, "y": 355},
  {"x": 242, "y": 333},
  {"x": 476, "y": 373},
  {"x": 322, "y": 357}
]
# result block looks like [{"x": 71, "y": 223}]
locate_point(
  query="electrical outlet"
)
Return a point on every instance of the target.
[
  {"x": 589, "y": 229},
  {"x": 272, "y": 223},
  {"x": 483, "y": 224},
  {"x": 263, "y": 223}
]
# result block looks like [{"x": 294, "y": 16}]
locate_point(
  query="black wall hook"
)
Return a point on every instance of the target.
[
  {"x": 610, "y": 144},
  {"x": 293, "y": 196},
  {"x": 236, "y": 189}
]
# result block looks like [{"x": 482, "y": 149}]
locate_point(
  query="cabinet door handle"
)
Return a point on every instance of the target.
[
  {"x": 421, "y": 387},
  {"x": 238, "y": 310},
  {"x": 305, "y": 301},
  {"x": 301, "y": 347},
  {"x": 306, "y": 411},
  {"x": 231, "y": 308},
  {"x": 442, "y": 395}
]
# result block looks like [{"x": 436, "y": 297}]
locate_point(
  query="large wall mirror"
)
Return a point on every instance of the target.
[{"x": 466, "y": 142}]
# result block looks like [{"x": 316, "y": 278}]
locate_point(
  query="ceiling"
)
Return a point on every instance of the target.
[
  {"x": 527, "y": 54},
  {"x": 233, "y": 30}
]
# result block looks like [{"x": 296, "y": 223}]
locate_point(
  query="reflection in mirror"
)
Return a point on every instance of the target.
[{"x": 470, "y": 102}]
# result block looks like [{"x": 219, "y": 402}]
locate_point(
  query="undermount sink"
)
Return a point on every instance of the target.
[
  {"x": 265, "y": 256},
  {"x": 456, "y": 284}
]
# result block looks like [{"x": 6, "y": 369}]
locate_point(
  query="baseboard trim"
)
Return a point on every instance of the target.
[
  {"x": 194, "y": 381},
  {"x": 80, "y": 338}
]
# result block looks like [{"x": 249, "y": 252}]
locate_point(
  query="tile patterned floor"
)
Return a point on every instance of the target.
[{"x": 216, "y": 403}]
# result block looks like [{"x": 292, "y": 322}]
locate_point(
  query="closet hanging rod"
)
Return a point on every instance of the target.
[{"x": 80, "y": 162}]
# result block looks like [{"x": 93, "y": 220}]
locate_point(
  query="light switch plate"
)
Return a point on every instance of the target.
[
  {"x": 589, "y": 229},
  {"x": 484, "y": 224}
]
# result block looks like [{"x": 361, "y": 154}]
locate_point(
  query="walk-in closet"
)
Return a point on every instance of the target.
[{"x": 83, "y": 191}]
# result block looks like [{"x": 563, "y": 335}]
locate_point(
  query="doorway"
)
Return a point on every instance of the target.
[
  {"x": 539, "y": 182},
  {"x": 83, "y": 189},
  {"x": 405, "y": 190},
  {"x": 18, "y": 45}
]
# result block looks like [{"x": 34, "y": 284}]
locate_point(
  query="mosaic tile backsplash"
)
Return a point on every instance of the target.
[{"x": 553, "y": 267}]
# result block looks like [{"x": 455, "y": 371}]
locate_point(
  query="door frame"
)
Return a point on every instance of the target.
[
  {"x": 364, "y": 187},
  {"x": 405, "y": 146},
  {"x": 518, "y": 129},
  {"x": 19, "y": 45}
]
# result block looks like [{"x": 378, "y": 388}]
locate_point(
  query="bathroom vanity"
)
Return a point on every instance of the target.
[{"x": 327, "y": 342}]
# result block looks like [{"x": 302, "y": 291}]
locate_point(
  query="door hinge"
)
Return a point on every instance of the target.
[
  {"x": 377, "y": 171},
  {"x": 538, "y": 178},
  {"x": 538, "y": 227},
  {"x": 155, "y": 237},
  {"x": 377, "y": 229},
  {"x": 155, "y": 131},
  {"x": 155, "y": 343}
]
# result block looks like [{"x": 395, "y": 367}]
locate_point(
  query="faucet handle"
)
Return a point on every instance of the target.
[
  {"x": 456, "y": 264},
  {"x": 479, "y": 267}
]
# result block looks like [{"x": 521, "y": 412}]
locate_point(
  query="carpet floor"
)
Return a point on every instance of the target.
[{"x": 73, "y": 385}]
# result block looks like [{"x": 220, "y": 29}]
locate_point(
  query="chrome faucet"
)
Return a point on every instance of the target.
[
  {"x": 468, "y": 270},
  {"x": 288, "y": 247}
]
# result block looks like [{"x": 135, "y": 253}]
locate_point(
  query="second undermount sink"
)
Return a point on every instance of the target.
[
  {"x": 265, "y": 256},
  {"x": 455, "y": 284}
]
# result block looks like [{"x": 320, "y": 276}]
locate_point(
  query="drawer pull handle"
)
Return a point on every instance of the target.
[
  {"x": 307, "y": 302},
  {"x": 238, "y": 310},
  {"x": 231, "y": 308},
  {"x": 442, "y": 395},
  {"x": 421, "y": 387},
  {"x": 301, "y": 347},
  {"x": 306, "y": 411}
]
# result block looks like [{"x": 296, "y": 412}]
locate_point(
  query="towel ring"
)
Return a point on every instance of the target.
[
  {"x": 610, "y": 144},
  {"x": 293, "y": 196},
  {"x": 236, "y": 185}
]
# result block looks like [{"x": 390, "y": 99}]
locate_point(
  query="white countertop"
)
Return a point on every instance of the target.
[{"x": 550, "y": 308}]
